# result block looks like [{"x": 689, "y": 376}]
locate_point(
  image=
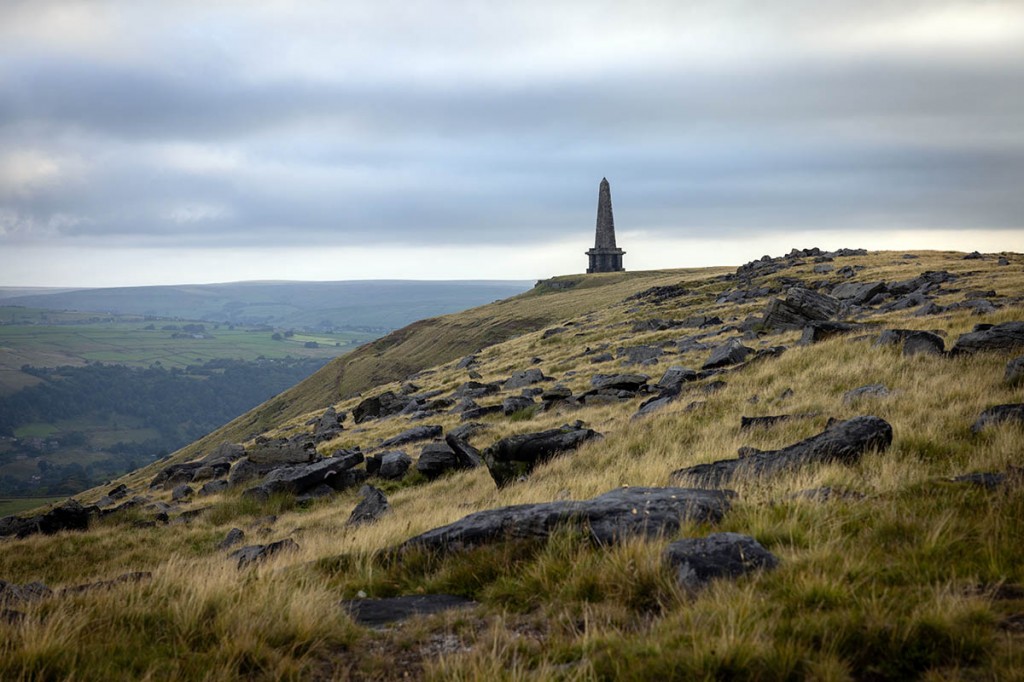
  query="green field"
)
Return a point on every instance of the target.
[
  {"x": 26, "y": 338},
  {"x": 16, "y": 505}
]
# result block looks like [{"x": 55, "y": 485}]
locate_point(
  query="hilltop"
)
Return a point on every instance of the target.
[{"x": 816, "y": 429}]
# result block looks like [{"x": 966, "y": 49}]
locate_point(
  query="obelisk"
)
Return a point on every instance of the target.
[{"x": 605, "y": 256}]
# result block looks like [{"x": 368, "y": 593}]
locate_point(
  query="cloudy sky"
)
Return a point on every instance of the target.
[{"x": 168, "y": 141}]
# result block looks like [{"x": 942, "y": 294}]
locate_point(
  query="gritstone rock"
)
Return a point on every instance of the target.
[
  {"x": 253, "y": 554},
  {"x": 524, "y": 378},
  {"x": 515, "y": 403},
  {"x": 373, "y": 506},
  {"x": 869, "y": 391},
  {"x": 412, "y": 435},
  {"x": 923, "y": 342},
  {"x": 394, "y": 464},
  {"x": 798, "y": 308},
  {"x": 436, "y": 459},
  {"x": 1005, "y": 336},
  {"x": 844, "y": 442},
  {"x": 516, "y": 456},
  {"x": 616, "y": 515},
  {"x": 732, "y": 352},
  {"x": 377, "y": 612},
  {"x": 998, "y": 415},
  {"x": 720, "y": 555}
]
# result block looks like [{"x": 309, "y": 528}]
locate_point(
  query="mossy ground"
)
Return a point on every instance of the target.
[{"x": 915, "y": 577}]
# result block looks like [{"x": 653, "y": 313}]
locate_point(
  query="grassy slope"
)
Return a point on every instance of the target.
[
  {"x": 919, "y": 578},
  {"x": 438, "y": 340}
]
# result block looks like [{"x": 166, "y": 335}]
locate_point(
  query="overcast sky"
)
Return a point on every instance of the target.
[{"x": 169, "y": 141}]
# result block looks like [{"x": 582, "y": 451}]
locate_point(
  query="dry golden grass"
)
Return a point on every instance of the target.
[{"x": 881, "y": 586}]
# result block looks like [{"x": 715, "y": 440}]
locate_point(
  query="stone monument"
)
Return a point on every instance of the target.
[{"x": 605, "y": 256}]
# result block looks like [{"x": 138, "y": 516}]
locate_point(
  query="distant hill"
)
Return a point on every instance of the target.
[{"x": 376, "y": 304}]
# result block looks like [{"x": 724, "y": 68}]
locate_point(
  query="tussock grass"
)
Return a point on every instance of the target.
[{"x": 893, "y": 580}]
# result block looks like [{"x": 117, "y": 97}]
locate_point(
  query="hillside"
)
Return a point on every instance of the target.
[{"x": 877, "y": 516}]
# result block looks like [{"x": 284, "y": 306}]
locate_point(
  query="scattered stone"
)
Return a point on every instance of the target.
[
  {"x": 636, "y": 355},
  {"x": 517, "y": 455},
  {"x": 732, "y": 352},
  {"x": 208, "y": 471},
  {"x": 328, "y": 426},
  {"x": 998, "y": 415},
  {"x": 175, "y": 475},
  {"x": 69, "y": 515},
  {"x": 654, "y": 404},
  {"x": 283, "y": 451},
  {"x": 620, "y": 382},
  {"x": 601, "y": 357},
  {"x": 377, "y": 612},
  {"x": 616, "y": 515},
  {"x": 927, "y": 282},
  {"x": 659, "y": 294},
  {"x": 869, "y": 391},
  {"x": 713, "y": 387},
  {"x": 892, "y": 337},
  {"x": 553, "y": 331},
  {"x": 243, "y": 472},
  {"x": 373, "y": 506},
  {"x": 819, "y": 331},
  {"x": 1005, "y": 336},
  {"x": 923, "y": 342},
  {"x": 394, "y": 464},
  {"x": 182, "y": 492},
  {"x": 475, "y": 389},
  {"x": 859, "y": 293},
  {"x": 467, "y": 456},
  {"x": 674, "y": 378},
  {"x": 766, "y": 421},
  {"x": 465, "y": 362},
  {"x": 516, "y": 403},
  {"x": 989, "y": 480},
  {"x": 1015, "y": 371},
  {"x": 253, "y": 554},
  {"x": 118, "y": 492},
  {"x": 213, "y": 487},
  {"x": 973, "y": 255},
  {"x": 12, "y": 594},
  {"x": 843, "y": 442},
  {"x": 524, "y": 378},
  {"x": 425, "y": 432},
  {"x": 234, "y": 536},
  {"x": 436, "y": 459},
  {"x": 1003, "y": 261},
  {"x": 298, "y": 479},
  {"x": 800, "y": 307},
  {"x": 383, "y": 405},
  {"x": 557, "y": 392},
  {"x": 464, "y": 431},
  {"x": 719, "y": 555},
  {"x": 480, "y": 411}
]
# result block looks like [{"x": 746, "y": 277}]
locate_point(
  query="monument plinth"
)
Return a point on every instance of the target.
[{"x": 605, "y": 256}]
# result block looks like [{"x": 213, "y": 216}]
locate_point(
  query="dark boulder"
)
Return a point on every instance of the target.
[
  {"x": 283, "y": 451},
  {"x": 892, "y": 337},
  {"x": 436, "y": 459},
  {"x": 383, "y": 405},
  {"x": 654, "y": 404},
  {"x": 468, "y": 456},
  {"x": 843, "y": 442},
  {"x": 424, "y": 432},
  {"x": 926, "y": 282},
  {"x": 720, "y": 555},
  {"x": 175, "y": 475},
  {"x": 394, "y": 464},
  {"x": 766, "y": 421},
  {"x": 621, "y": 382},
  {"x": 998, "y": 415},
  {"x": 614, "y": 516},
  {"x": 800, "y": 307},
  {"x": 253, "y": 554},
  {"x": 475, "y": 389},
  {"x": 524, "y": 378},
  {"x": 118, "y": 491},
  {"x": 869, "y": 391},
  {"x": 234, "y": 536},
  {"x": 12, "y": 594},
  {"x": 516, "y": 403},
  {"x": 466, "y": 362},
  {"x": 328, "y": 426},
  {"x": 732, "y": 352},
  {"x": 516, "y": 456},
  {"x": 69, "y": 515},
  {"x": 923, "y": 342},
  {"x": 819, "y": 331},
  {"x": 244, "y": 471},
  {"x": 300, "y": 478},
  {"x": 636, "y": 355},
  {"x": 182, "y": 492},
  {"x": 213, "y": 487},
  {"x": 558, "y": 392},
  {"x": 858, "y": 293},
  {"x": 553, "y": 331},
  {"x": 377, "y": 612},
  {"x": 479, "y": 412},
  {"x": 373, "y": 506},
  {"x": 208, "y": 471},
  {"x": 674, "y": 378},
  {"x": 225, "y": 452},
  {"x": 1005, "y": 336}
]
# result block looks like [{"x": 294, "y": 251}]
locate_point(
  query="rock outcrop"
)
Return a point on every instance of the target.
[
  {"x": 720, "y": 555},
  {"x": 516, "y": 456}
]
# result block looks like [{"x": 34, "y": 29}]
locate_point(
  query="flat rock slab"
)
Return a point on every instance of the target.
[
  {"x": 698, "y": 561},
  {"x": 378, "y": 612},
  {"x": 615, "y": 515},
  {"x": 515, "y": 456},
  {"x": 843, "y": 442},
  {"x": 412, "y": 435},
  {"x": 798, "y": 308},
  {"x": 998, "y": 415},
  {"x": 1006, "y": 336}
]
